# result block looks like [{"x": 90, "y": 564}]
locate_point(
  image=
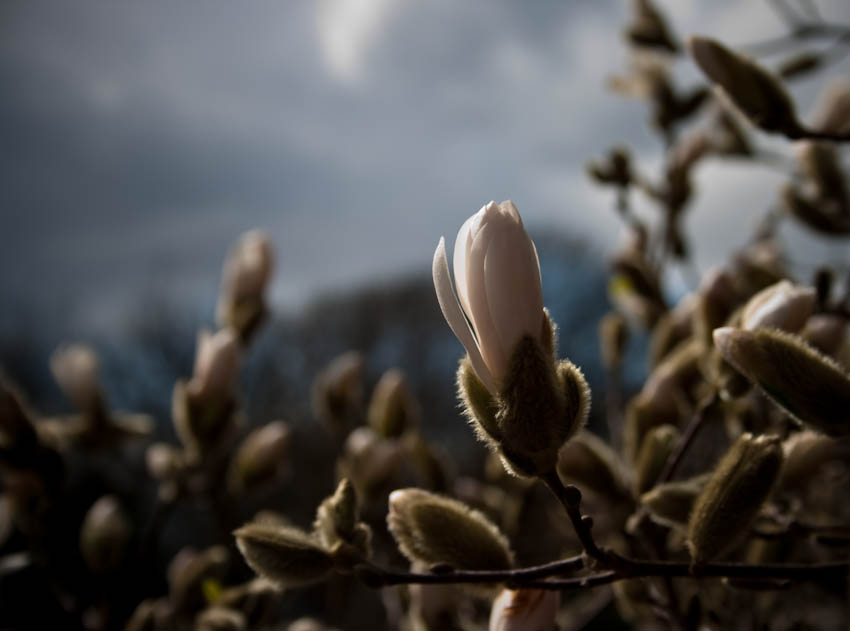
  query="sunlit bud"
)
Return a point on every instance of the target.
[
  {"x": 589, "y": 463},
  {"x": 657, "y": 446},
  {"x": 246, "y": 273},
  {"x": 260, "y": 456},
  {"x": 216, "y": 365},
  {"x": 190, "y": 575},
  {"x": 75, "y": 368},
  {"x": 337, "y": 392},
  {"x": 433, "y": 529},
  {"x": 806, "y": 384},
  {"x": 741, "y": 482},
  {"x": 648, "y": 28},
  {"x": 286, "y": 556},
  {"x": 751, "y": 88},
  {"x": 392, "y": 408},
  {"x": 833, "y": 110},
  {"x": 826, "y": 332},
  {"x": 670, "y": 503},
  {"x": 613, "y": 337},
  {"x": 220, "y": 619},
  {"x": 104, "y": 535},
  {"x": 498, "y": 304},
  {"x": 781, "y": 306},
  {"x": 337, "y": 520},
  {"x": 525, "y": 610}
]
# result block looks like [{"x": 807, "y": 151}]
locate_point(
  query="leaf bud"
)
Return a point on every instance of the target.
[
  {"x": 732, "y": 497},
  {"x": 337, "y": 520}
]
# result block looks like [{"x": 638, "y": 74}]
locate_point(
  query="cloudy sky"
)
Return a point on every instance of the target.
[{"x": 140, "y": 138}]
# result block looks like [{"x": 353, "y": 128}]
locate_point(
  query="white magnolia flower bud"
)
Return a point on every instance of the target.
[
  {"x": 781, "y": 306},
  {"x": 499, "y": 299},
  {"x": 525, "y": 610},
  {"x": 216, "y": 362},
  {"x": 248, "y": 267},
  {"x": 75, "y": 368}
]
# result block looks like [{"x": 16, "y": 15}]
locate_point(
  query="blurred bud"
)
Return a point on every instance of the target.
[
  {"x": 150, "y": 615},
  {"x": 76, "y": 369},
  {"x": 286, "y": 556},
  {"x": 613, "y": 337},
  {"x": 190, "y": 573},
  {"x": 337, "y": 392},
  {"x": 800, "y": 64},
  {"x": 614, "y": 169},
  {"x": 247, "y": 271},
  {"x": 670, "y": 503},
  {"x": 821, "y": 165},
  {"x": 649, "y": 408},
  {"x": 751, "y": 88},
  {"x": 220, "y": 619},
  {"x": 337, "y": 520},
  {"x": 104, "y": 535},
  {"x": 588, "y": 462},
  {"x": 656, "y": 448},
  {"x": 525, "y": 610},
  {"x": 815, "y": 214},
  {"x": 433, "y": 529},
  {"x": 216, "y": 365},
  {"x": 260, "y": 456},
  {"x": 733, "y": 495},
  {"x": 718, "y": 297},
  {"x": 781, "y": 306},
  {"x": 163, "y": 460},
  {"x": 809, "y": 386},
  {"x": 806, "y": 452},
  {"x": 826, "y": 332},
  {"x": 392, "y": 409},
  {"x": 649, "y": 29},
  {"x": 728, "y": 138},
  {"x": 369, "y": 461},
  {"x": 833, "y": 110}
]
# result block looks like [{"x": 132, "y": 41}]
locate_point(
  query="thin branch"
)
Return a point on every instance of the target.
[
  {"x": 570, "y": 498},
  {"x": 685, "y": 441}
]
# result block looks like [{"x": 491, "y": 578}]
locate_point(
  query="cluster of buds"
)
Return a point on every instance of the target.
[{"x": 522, "y": 402}]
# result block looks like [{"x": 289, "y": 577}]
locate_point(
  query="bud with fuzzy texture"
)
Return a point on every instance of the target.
[
  {"x": 751, "y": 88},
  {"x": 287, "y": 556},
  {"x": 433, "y": 529},
  {"x": 781, "y": 306},
  {"x": 104, "y": 535},
  {"x": 731, "y": 499},
  {"x": 809, "y": 386},
  {"x": 670, "y": 503},
  {"x": 392, "y": 408},
  {"x": 76, "y": 369},
  {"x": 589, "y": 462},
  {"x": 522, "y": 403},
  {"x": 656, "y": 448},
  {"x": 247, "y": 271},
  {"x": 525, "y": 610},
  {"x": 337, "y": 522},
  {"x": 260, "y": 456},
  {"x": 337, "y": 393}
]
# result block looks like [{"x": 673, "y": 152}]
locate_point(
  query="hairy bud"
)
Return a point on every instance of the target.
[
  {"x": 392, "y": 408},
  {"x": 337, "y": 520},
  {"x": 287, "y": 556},
  {"x": 260, "y": 456},
  {"x": 76, "y": 369},
  {"x": 591, "y": 464}
]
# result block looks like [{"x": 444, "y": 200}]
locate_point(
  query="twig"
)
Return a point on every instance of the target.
[
  {"x": 687, "y": 438},
  {"x": 570, "y": 498}
]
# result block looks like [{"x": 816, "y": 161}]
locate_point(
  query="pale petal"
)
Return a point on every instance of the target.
[
  {"x": 460, "y": 260},
  {"x": 454, "y": 316}
]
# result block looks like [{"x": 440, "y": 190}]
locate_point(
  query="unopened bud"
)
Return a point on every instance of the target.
[
  {"x": 657, "y": 446},
  {"x": 247, "y": 271},
  {"x": 337, "y": 520},
  {"x": 525, "y": 610},
  {"x": 822, "y": 166},
  {"x": 76, "y": 369},
  {"x": 826, "y": 332},
  {"x": 368, "y": 460},
  {"x": 814, "y": 213},
  {"x": 833, "y": 112},
  {"x": 648, "y": 409},
  {"x": 806, "y": 384},
  {"x": 216, "y": 365},
  {"x": 806, "y": 452},
  {"x": 613, "y": 337},
  {"x": 337, "y": 393},
  {"x": 670, "y": 503},
  {"x": 164, "y": 461},
  {"x": 781, "y": 306},
  {"x": 392, "y": 409},
  {"x": 741, "y": 482},
  {"x": 757, "y": 93},
  {"x": 588, "y": 462},
  {"x": 104, "y": 535},
  {"x": 801, "y": 64},
  {"x": 433, "y": 529},
  {"x": 286, "y": 556},
  {"x": 260, "y": 456}
]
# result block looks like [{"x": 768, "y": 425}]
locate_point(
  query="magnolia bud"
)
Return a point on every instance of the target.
[
  {"x": 337, "y": 520},
  {"x": 648, "y": 409},
  {"x": 613, "y": 337},
  {"x": 286, "y": 556},
  {"x": 806, "y": 452},
  {"x": 337, "y": 393},
  {"x": 247, "y": 271},
  {"x": 590, "y": 463},
  {"x": 216, "y": 365},
  {"x": 656, "y": 448},
  {"x": 809, "y": 386},
  {"x": 826, "y": 332},
  {"x": 75, "y": 368},
  {"x": 733, "y": 495},
  {"x": 260, "y": 456},
  {"x": 164, "y": 461},
  {"x": 822, "y": 167},
  {"x": 392, "y": 409},
  {"x": 368, "y": 460},
  {"x": 718, "y": 297},
  {"x": 649, "y": 29},
  {"x": 780, "y": 306},
  {"x": 104, "y": 535},
  {"x": 433, "y": 529},
  {"x": 670, "y": 503},
  {"x": 814, "y": 213},
  {"x": 800, "y": 64},
  {"x": 757, "y": 93},
  {"x": 525, "y": 610}
]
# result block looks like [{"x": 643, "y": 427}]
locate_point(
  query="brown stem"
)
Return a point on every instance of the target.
[
  {"x": 687, "y": 438},
  {"x": 570, "y": 498}
]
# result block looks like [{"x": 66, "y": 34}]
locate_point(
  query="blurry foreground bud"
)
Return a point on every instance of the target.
[
  {"x": 287, "y": 556},
  {"x": 588, "y": 462},
  {"x": 260, "y": 457},
  {"x": 649, "y": 29},
  {"x": 216, "y": 365},
  {"x": 220, "y": 619},
  {"x": 670, "y": 503},
  {"x": 369, "y": 461},
  {"x": 751, "y": 88},
  {"x": 247, "y": 271},
  {"x": 656, "y": 448},
  {"x": 76, "y": 369},
  {"x": 613, "y": 337},
  {"x": 733, "y": 496},
  {"x": 521, "y": 402},
  {"x": 432, "y": 529},
  {"x": 337, "y": 393},
  {"x": 525, "y": 610},
  {"x": 392, "y": 408},
  {"x": 781, "y": 306},
  {"x": 104, "y": 535},
  {"x": 809, "y": 386},
  {"x": 337, "y": 521}
]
